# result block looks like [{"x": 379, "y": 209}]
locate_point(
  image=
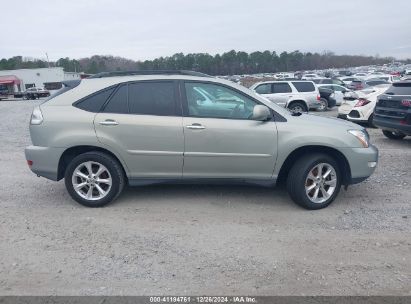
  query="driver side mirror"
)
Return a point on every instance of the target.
[{"x": 261, "y": 113}]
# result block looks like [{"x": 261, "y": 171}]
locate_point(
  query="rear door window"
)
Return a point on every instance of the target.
[
  {"x": 303, "y": 86},
  {"x": 281, "y": 87},
  {"x": 152, "y": 98}
]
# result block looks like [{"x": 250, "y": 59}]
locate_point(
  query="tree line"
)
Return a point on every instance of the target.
[{"x": 228, "y": 63}]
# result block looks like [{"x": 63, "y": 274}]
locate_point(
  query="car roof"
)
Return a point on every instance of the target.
[{"x": 89, "y": 86}]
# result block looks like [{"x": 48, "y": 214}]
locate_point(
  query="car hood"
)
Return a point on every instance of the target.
[{"x": 325, "y": 122}]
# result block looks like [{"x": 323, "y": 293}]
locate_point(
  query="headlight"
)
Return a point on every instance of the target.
[{"x": 362, "y": 136}]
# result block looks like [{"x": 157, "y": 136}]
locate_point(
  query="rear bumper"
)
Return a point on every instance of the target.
[
  {"x": 45, "y": 160},
  {"x": 314, "y": 105},
  {"x": 362, "y": 161},
  {"x": 392, "y": 125}
]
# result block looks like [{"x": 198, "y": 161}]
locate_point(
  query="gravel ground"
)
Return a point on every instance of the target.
[{"x": 189, "y": 240}]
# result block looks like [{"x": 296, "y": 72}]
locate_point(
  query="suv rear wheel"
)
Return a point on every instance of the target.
[
  {"x": 324, "y": 104},
  {"x": 314, "y": 181},
  {"x": 393, "y": 135},
  {"x": 94, "y": 179},
  {"x": 297, "y": 107}
]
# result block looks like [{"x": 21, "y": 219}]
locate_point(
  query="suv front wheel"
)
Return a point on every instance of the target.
[
  {"x": 94, "y": 179},
  {"x": 314, "y": 181}
]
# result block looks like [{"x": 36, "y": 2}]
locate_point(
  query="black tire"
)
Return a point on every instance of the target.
[
  {"x": 393, "y": 135},
  {"x": 324, "y": 105},
  {"x": 371, "y": 121},
  {"x": 295, "y": 107},
  {"x": 113, "y": 166},
  {"x": 296, "y": 180}
]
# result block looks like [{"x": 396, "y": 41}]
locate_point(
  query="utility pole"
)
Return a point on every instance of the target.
[{"x": 48, "y": 62}]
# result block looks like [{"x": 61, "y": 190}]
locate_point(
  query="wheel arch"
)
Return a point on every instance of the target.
[
  {"x": 74, "y": 151},
  {"x": 298, "y": 100},
  {"x": 342, "y": 161}
]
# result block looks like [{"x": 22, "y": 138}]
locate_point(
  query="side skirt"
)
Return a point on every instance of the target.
[{"x": 204, "y": 181}]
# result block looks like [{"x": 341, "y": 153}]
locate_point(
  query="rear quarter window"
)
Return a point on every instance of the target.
[
  {"x": 118, "y": 102},
  {"x": 95, "y": 101},
  {"x": 263, "y": 88},
  {"x": 302, "y": 86}
]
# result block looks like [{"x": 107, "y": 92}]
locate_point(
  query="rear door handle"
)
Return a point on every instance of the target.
[
  {"x": 108, "y": 122},
  {"x": 195, "y": 126}
]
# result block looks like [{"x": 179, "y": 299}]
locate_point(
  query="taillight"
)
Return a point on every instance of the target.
[
  {"x": 30, "y": 163},
  {"x": 406, "y": 102},
  {"x": 36, "y": 116},
  {"x": 362, "y": 102},
  {"x": 318, "y": 97}
]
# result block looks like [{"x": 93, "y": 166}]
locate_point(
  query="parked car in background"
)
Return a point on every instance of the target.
[
  {"x": 363, "y": 84},
  {"x": 348, "y": 80},
  {"x": 328, "y": 81},
  {"x": 4, "y": 92},
  {"x": 297, "y": 96},
  {"x": 393, "y": 111},
  {"x": 35, "y": 93},
  {"x": 339, "y": 91},
  {"x": 360, "y": 75},
  {"x": 363, "y": 109},
  {"x": 114, "y": 129},
  {"x": 387, "y": 77},
  {"x": 327, "y": 99},
  {"x": 310, "y": 76}
]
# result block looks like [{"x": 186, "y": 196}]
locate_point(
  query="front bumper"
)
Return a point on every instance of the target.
[
  {"x": 392, "y": 125},
  {"x": 45, "y": 160},
  {"x": 362, "y": 162}
]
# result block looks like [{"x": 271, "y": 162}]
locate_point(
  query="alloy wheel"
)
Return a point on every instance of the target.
[
  {"x": 321, "y": 183},
  {"x": 91, "y": 180}
]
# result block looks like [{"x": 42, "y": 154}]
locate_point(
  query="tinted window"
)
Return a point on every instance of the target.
[
  {"x": 215, "y": 101},
  {"x": 94, "y": 102},
  {"x": 339, "y": 88},
  {"x": 118, "y": 102},
  {"x": 263, "y": 88},
  {"x": 152, "y": 98},
  {"x": 303, "y": 86},
  {"x": 327, "y": 81},
  {"x": 281, "y": 88},
  {"x": 376, "y": 82},
  {"x": 400, "y": 89}
]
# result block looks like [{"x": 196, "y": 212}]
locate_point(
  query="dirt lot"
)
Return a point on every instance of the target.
[{"x": 201, "y": 239}]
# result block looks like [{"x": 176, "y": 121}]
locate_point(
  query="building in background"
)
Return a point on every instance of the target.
[{"x": 49, "y": 78}]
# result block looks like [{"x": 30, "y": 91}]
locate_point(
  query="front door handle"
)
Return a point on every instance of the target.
[
  {"x": 108, "y": 122},
  {"x": 195, "y": 126}
]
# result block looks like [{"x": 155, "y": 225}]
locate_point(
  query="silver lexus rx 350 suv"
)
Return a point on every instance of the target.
[{"x": 140, "y": 128}]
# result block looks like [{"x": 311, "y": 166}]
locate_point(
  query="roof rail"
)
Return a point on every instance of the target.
[{"x": 149, "y": 72}]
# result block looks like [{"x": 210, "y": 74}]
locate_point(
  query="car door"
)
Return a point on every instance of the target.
[
  {"x": 221, "y": 139},
  {"x": 142, "y": 121},
  {"x": 282, "y": 92}
]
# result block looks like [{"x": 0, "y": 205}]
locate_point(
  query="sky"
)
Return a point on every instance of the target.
[{"x": 142, "y": 30}]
